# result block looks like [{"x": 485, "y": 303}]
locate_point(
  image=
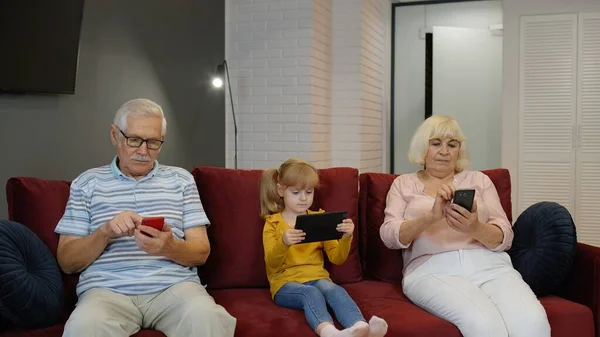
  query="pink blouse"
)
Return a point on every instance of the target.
[{"x": 407, "y": 200}]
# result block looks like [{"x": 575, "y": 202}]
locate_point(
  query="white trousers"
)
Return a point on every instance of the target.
[
  {"x": 480, "y": 292},
  {"x": 183, "y": 310}
]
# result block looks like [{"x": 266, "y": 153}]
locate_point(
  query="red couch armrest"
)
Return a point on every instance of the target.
[{"x": 583, "y": 285}]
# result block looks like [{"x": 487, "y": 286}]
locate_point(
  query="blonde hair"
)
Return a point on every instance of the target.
[
  {"x": 292, "y": 172},
  {"x": 441, "y": 127}
]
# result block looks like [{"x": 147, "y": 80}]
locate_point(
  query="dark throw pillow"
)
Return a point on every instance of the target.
[
  {"x": 544, "y": 246},
  {"x": 31, "y": 289}
]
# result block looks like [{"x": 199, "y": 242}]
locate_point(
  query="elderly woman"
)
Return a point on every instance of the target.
[{"x": 454, "y": 261}]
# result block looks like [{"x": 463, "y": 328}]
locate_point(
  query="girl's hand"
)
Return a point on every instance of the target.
[
  {"x": 293, "y": 236},
  {"x": 346, "y": 227}
]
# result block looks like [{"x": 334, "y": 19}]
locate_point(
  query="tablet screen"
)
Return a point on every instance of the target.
[{"x": 320, "y": 226}]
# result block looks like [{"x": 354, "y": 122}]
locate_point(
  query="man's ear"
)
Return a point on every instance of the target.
[
  {"x": 280, "y": 190},
  {"x": 113, "y": 134}
]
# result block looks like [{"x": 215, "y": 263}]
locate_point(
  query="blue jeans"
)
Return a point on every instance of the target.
[{"x": 314, "y": 296}]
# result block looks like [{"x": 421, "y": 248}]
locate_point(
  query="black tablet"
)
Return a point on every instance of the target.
[{"x": 320, "y": 226}]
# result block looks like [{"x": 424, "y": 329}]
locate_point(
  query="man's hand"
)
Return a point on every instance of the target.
[
  {"x": 158, "y": 243},
  {"x": 122, "y": 224}
]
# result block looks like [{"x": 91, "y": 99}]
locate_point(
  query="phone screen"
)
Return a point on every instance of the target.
[{"x": 464, "y": 198}]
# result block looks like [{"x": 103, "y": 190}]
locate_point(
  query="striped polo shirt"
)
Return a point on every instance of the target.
[{"x": 99, "y": 194}]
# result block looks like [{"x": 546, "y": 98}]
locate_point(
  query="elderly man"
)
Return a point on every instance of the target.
[{"x": 135, "y": 276}]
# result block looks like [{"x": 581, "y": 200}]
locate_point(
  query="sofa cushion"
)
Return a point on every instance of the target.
[
  {"x": 544, "y": 246},
  {"x": 57, "y": 331},
  {"x": 501, "y": 180},
  {"x": 339, "y": 192},
  {"x": 39, "y": 204},
  {"x": 378, "y": 261},
  {"x": 258, "y": 315},
  {"x": 31, "y": 295},
  {"x": 404, "y": 319},
  {"x": 386, "y": 300},
  {"x": 231, "y": 201},
  {"x": 568, "y": 318}
]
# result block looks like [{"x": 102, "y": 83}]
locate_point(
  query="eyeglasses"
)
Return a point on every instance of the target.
[{"x": 152, "y": 144}]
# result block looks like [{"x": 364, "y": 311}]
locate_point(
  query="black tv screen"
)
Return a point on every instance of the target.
[{"x": 39, "y": 45}]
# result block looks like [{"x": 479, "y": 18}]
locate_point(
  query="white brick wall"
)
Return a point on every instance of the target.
[
  {"x": 346, "y": 91},
  {"x": 321, "y": 77},
  {"x": 307, "y": 81},
  {"x": 358, "y": 59},
  {"x": 372, "y": 65},
  {"x": 270, "y": 76}
]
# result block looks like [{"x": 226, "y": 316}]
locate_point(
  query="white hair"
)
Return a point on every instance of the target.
[
  {"x": 139, "y": 107},
  {"x": 438, "y": 126}
]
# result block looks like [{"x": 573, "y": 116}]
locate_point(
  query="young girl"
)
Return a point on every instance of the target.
[{"x": 295, "y": 271}]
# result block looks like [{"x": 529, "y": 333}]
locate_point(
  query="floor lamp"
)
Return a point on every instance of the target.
[{"x": 223, "y": 69}]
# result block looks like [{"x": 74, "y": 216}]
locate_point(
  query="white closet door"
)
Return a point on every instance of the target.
[
  {"x": 548, "y": 98},
  {"x": 588, "y": 155}
]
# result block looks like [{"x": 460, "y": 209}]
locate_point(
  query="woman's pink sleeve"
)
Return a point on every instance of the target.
[
  {"x": 394, "y": 216},
  {"x": 497, "y": 216}
]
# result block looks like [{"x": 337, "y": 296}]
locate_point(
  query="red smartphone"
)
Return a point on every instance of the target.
[{"x": 156, "y": 222}]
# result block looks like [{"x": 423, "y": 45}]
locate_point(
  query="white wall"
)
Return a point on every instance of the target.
[
  {"x": 269, "y": 49},
  {"x": 409, "y": 77},
  {"x": 358, "y": 84},
  {"x": 513, "y": 10},
  {"x": 304, "y": 84}
]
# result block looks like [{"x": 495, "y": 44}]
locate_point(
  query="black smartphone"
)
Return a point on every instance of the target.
[{"x": 464, "y": 198}]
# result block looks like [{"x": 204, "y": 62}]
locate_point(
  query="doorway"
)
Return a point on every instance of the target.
[{"x": 447, "y": 59}]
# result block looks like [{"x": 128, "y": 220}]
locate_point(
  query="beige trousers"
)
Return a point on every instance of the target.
[{"x": 183, "y": 310}]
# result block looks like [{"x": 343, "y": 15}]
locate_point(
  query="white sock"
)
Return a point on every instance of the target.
[
  {"x": 377, "y": 327},
  {"x": 359, "y": 329},
  {"x": 329, "y": 331}
]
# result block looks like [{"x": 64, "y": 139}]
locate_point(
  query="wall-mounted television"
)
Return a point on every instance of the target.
[{"x": 39, "y": 45}]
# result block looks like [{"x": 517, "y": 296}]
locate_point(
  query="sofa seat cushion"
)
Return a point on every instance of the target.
[
  {"x": 53, "y": 331},
  {"x": 404, "y": 319},
  {"x": 387, "y": 301},
  {"x": 57, "y": 331},
  {"x": 568, "y": 318},
  {"x": 231, "y": 201},
  {"x": 258, "y": 315}
]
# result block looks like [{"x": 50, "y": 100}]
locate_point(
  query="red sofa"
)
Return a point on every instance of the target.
[{"x": 235, "y": 271}]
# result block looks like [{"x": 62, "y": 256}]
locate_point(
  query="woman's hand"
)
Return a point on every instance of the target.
[
  {"x": 442, "y": 199},
  {"x": 346, "y": 227},
  {"x": 461, "y": 220},
  {"x": 293, "y": 236}
]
